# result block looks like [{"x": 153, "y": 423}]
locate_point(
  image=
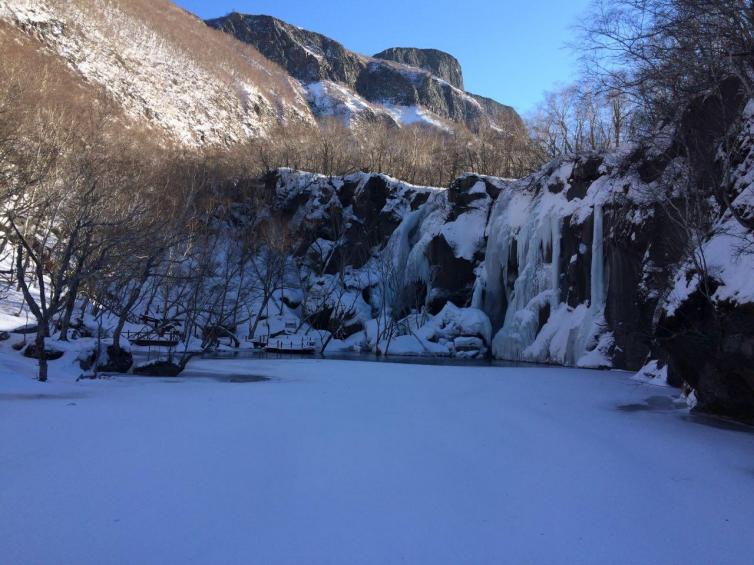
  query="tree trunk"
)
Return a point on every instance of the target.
[
  {"x": 133, "y": 298},
  {"x": 117, "y": 333},
  {"x": 253, "y": 330},
  {"x": 70, "y": 305},
  {"x": 40, "y": 345}
]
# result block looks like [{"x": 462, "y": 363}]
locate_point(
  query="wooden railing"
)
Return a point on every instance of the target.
[
  {"x": 292, "y": 343},
  {"x": 152, "y": 338}
]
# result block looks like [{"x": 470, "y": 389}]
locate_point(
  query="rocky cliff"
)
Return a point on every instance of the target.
[
  {"x": 440, "y": 64},
  {"x": 402, "y": 85},
  {"x": 585, "y": 263}
]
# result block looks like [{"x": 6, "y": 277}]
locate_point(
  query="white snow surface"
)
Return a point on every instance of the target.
[
  {"x": 328, "y": 98},
  {"x": 466, "y": 233},
  {"x": 408, "y": 115},
  {"x": 730, "y": 261},
  {"x": 653, "y": 372},
  {"x": 354, "y": 462}
]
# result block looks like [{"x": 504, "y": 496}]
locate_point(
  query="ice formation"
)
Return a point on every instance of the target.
[{"x": 522, "y": 284}]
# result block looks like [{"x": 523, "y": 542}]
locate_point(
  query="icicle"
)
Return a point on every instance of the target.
[
  {"x": 555, "y": 267},
  {"x": 478, "y": 293},
  {"x": 532, "y": 289},
  {"x": 598, "y": 261},
  {"x": 495, "y": 267}
]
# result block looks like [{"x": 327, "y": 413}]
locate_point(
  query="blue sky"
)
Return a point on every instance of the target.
[{"x": 510, "y": 50}]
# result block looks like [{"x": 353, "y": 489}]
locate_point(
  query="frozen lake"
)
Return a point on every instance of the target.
[{"x": 353, "y": 462}]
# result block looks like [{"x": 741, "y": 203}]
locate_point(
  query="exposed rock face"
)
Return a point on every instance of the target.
[
  {"x": 339, "y": 82},
  {"x": 583, "y": 263},
  {"x": 441, "y": 64},
  {"x": 306, "y": 55},
  {"x": 711, "y": 347}
]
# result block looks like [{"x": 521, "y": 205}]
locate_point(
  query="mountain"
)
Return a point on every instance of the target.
[
  {"x": 163, "y": 66},
  {"x": 400, "y": 85},
  {"x": 440, "y": 64},
  {"x": 198, "y": 86}
]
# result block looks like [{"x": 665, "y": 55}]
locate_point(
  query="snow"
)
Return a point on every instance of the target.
[
  {"x": 729, "y": 258},
  {"x": 328, "y": 98},
  {"x": 653, "y": 372},
  {"x": 353, "y": 462},
  {"x": 466, "y": 233},
  {"x": 408, "y": 115}
]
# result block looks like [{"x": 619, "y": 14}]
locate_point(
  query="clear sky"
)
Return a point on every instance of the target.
[{"x": 510, "y": 50}]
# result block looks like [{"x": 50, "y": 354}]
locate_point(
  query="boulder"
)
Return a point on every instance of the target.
[
  {"x": 161, "y": 368},
  {"x": 711, "y": 347},
  {"x": 32, "y": 352},
  {"x": 119, "y": 362},
  {"x": 468, "y": 343},
  {"x": 26, "y": 329}
]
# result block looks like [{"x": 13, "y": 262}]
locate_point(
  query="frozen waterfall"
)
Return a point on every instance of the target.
[
  {"x": 598, "y": 262},
  {"x": 522, "y": 281}
]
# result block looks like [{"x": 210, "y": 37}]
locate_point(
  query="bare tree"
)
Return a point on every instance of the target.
[
  {"x": 269, "y": 265},
  {"x": 663, "y": 53}
]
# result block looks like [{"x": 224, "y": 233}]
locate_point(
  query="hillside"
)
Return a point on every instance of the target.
[{"x": 163, "y": 66}]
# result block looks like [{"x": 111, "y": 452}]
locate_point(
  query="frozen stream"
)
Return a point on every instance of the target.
[{"x": 351, "y": 462}]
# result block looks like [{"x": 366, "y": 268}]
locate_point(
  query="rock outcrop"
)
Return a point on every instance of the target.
[
  {"x": 306, "y": 55},
  {"x": 402, "y": 85},
  {"x": 440, "y": 64}
]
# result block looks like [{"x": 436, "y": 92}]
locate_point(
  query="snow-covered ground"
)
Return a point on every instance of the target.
[{"x": 357, "y": 462}]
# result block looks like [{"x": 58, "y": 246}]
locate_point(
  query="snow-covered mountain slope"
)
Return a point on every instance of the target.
[
  {"x": 164, "y": 66},
  {"x": 405, "y": 85}
]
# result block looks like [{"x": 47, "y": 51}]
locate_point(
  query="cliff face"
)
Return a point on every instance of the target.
[
  {"x": 440, "y": 64},
  {"x": 584, "y": 263},
  {"x": 306, "y": 55},
  {"x": 401, "y": 85}
]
